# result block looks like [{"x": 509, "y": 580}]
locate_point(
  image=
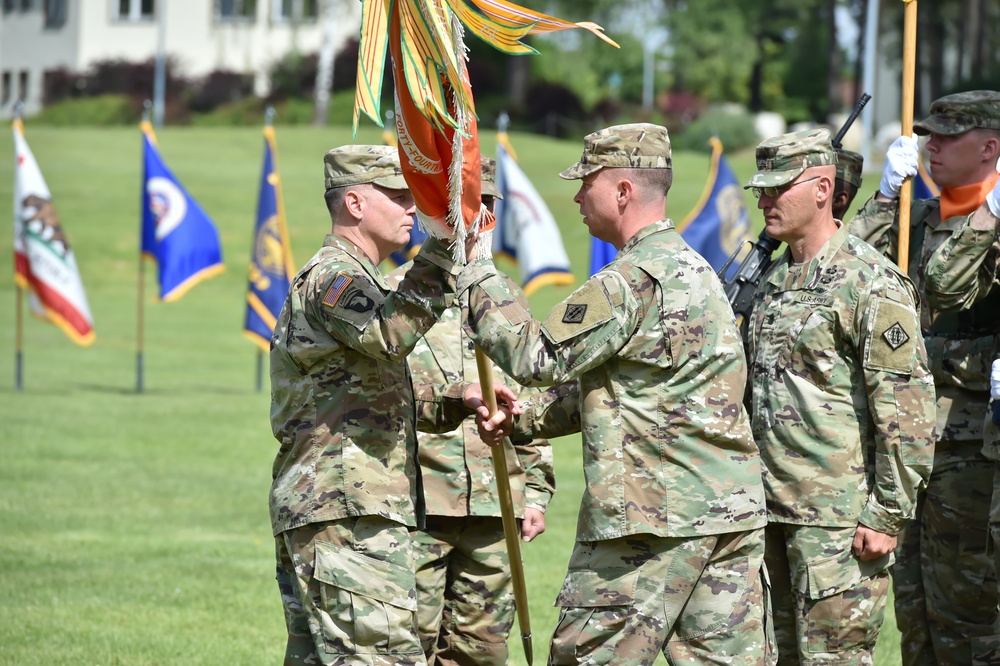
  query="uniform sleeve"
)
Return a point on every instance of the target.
[
  {"x": 355, "y": 311},
  {"x": 440, "y": 407},
  {"x": 553, "y": 412},
  {"x": 963, "y": 269},
  {"x": 581, "y": 333},
  {"x": 537, "y": 460},
  {"x": 901, "y": 403},
  {"x": 875, "y": 223}
]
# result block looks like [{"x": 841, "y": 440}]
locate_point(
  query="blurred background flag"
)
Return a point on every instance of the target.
[
  {"x": 176, "y": 232},
  {"x": 525, "y": 229},
  {"x": 719, "y": 222},
  {"x": 924, "y": 186},
  {"x": 44, "y": 264},
  {"x": 271, "y": 265},
  {"x": 601, "y": 254}
]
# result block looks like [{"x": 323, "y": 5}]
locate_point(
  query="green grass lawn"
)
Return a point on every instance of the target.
[{"x": 135, "y": 527}]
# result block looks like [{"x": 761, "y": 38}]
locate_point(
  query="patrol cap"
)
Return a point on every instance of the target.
[
  {"x": 781, "y": 159},
  {"x": 849, "y": 166},
  {"x": 489, "y": 185},
  {"x": 961, "y": 112},
  {"x": 633, "y": 146},
  {"x": 357, "y": 164}
]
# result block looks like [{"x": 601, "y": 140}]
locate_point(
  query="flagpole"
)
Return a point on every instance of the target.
[
  {"x": 142, "y": 290},
  {"x": 909, "y": 74},
  {"x": 18, "y": 306},
  {"x": 19, "y": 343},
  {"x": 510, "y": 531},
  {"x": 268, "y": 122}
]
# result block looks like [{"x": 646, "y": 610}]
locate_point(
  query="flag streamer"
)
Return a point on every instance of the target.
[{"x": 435, "y": 112}]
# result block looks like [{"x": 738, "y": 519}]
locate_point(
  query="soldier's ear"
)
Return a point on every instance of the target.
[{"x": 354, "y": 204}]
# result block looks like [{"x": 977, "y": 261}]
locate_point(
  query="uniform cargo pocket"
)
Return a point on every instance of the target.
[
  {"x": 845, "y": 602},
  {"x": 587, "y": 588},
  {"x": 368, "y": 605},
  {"x": 595, "y": 605}
]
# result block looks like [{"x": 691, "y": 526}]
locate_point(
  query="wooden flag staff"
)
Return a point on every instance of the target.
[{"x": 909, "y": 74}]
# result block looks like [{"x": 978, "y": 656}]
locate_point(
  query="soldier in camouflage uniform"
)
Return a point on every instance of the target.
[
  {"x": 944, "y": 578},
  {"x": 849, "y": 166},
  {"x": 346, "y": 483},
  {"x": 669, "y": 540},
  {"x": 842, "y": 409},
  {"x": 465, "y": 596}
]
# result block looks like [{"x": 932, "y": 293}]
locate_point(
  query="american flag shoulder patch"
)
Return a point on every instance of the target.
[{"x": 336, "y": 290}]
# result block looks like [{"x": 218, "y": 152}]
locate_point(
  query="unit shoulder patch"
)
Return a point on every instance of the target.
[
  {"x": 892, "y": 342},
  {"x": 587, "y": 308}
]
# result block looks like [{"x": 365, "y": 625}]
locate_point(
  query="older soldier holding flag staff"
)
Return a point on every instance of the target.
[{"x": 346, "y": 483}]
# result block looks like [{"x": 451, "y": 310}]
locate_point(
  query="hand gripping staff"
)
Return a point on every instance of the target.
[
  {"x": 439, "y": 142},
  {"x": 741, "y": 286}
]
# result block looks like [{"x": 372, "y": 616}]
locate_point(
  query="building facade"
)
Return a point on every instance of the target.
[{"x": 246, "y": 36}]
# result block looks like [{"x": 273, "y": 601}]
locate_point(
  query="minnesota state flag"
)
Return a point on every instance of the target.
[
  {"x": 719, "y": 222},
  {"x": 271, "y": 267},
  {"x": 601, "y": 254},
  {"x": 176, "y": 232}
]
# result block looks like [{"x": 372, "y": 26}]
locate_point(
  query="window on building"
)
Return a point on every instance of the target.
[
  {"x": 133, "y": 10},
  {"x": 55, "y": 13},
  {"x": 235, "y": 10},
  {"x": 26, "y": 5},
  {"x": 296, "y": 11},
  {"x": 8, "y": 6},
  {"x": 22, "y": 85},
  {"x": 5, "y": 87}
]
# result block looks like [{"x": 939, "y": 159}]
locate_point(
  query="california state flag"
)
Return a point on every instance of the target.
[{"x": 43, "y": 259}]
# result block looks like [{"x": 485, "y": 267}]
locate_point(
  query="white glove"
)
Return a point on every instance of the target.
[
  {"x": 993, "y": 198},
  {"x": 995, "y": 379},
  {"x": 901, "y": 162}
]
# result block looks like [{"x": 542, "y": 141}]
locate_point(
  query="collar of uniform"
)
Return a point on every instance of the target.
[
  {"x": 356, "y": 253},
  {"x": 790, "y": 277},
  {"x": 665, "y": 224}
]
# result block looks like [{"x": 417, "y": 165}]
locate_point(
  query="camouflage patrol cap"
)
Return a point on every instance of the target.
[
  {"x": 634, "y": 146},
  {"x": 489, "y": 184},
  {"x": 849, "y": 166},
  {"x": 354, "y": 165},
  {"x": 961, "y": 112},
  {"x": 781, "y": 159}
]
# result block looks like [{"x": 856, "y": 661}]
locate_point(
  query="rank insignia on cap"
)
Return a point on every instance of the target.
[
  {"x": 336, "y": 290},
  {"x": 574, "y": 313},
  {"x": 895, "y": 336}
]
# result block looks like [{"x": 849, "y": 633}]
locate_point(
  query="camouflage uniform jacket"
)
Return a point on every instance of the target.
[
  {"x": 843, "y": 402},
  {"x": 457, "y": 466},
  {"x": 961, "y": 343},
  {"x": 342, "y": 403},
  {"x": 667, "y": 448}
]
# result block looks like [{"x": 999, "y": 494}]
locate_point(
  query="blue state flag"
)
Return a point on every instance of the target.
[
  {"x": 601, "y": 254},
  {"x": 719, "y": 222},
  {"x": 176, "y": 232},
  {"x": 408, "y": 251},
  {"x": 271, "y": 265},
  {"x": 923, "y": 186}
]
